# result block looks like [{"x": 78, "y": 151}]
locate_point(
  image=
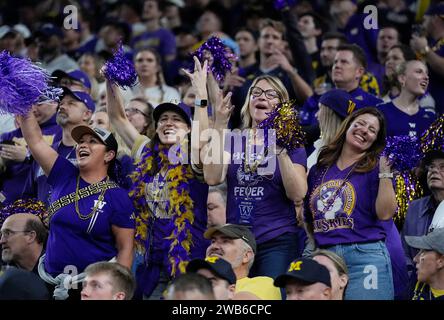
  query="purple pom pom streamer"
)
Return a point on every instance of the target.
[
  {"x": 402, "y": 152},
  {"x": 120, "y": 70},
  {"x": 21, "y": 84},
  {"x": 284, "y": 120},
  {"x": 221, "y": 58}
]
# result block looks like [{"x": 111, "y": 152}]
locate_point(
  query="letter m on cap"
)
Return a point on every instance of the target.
[
  {"x": 295, "y": 266},
  {"x": 351, "y": 106}
]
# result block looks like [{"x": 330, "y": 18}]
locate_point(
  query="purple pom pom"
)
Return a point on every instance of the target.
[
  {"x": 221, "y": 58},
  {"x": 21, "y": 84},
  {"x": 120, "y": 70},
  {"x": 403, "y": 152}
]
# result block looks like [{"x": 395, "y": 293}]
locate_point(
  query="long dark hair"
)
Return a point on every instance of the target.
[{"x": 330, "y": 153}]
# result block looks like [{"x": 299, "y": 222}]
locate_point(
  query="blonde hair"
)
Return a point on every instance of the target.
[
  {"x": 276, "y": 84},
  {"x": 329, "y": 123},
  {"x": 337, "y": 260}
]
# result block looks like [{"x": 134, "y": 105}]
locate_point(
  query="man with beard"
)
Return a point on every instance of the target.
[{"x": 237, "y": 245}]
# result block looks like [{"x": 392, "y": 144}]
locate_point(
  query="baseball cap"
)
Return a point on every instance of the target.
[
  {"x": 306, "y": 270},
  {"x": 435, "y": 10},
  {"x": 80, "y": 96},
  {"x": 217, "y": 265},
  {"x": 19, "y": 284},
  {"x": 432, "y": 241},
  {"x": 182, "y": 109},
  {"x": 340, "y": 101},
  {"x": 103, "y": 135},
  {"x": 432, "y": 155},
  {"x": 77, "y": 75},
  {"x": 48, "y": 29},
  {"x": 234, "y": 231}
]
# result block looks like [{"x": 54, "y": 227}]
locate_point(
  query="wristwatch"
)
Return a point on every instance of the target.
[
  {"x": 384, "y": 175},
  {"x": 201, "y": 103}
]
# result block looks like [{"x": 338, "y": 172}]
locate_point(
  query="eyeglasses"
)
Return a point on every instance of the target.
[
  {"x": 132, "y": 111},
  {"x": 439, "y": 167},
  {"x": 270, "y": 93},
  {"x": 6, "y": 234}
]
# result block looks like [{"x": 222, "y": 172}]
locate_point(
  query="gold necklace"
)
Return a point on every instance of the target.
[
  {"x": 248, "y": 153},
  {"x": 77, "y": 198}
]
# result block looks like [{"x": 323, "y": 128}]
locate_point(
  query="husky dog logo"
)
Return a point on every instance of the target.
[
  {"x": 327, "y": 205},
  {"x": 247, "y": 178}
]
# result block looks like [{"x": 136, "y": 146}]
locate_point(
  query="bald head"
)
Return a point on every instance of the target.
[{"x": 22, "y": 239}]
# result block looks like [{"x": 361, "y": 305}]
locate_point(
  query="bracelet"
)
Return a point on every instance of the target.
[
  {"x": 386, "y": 175},
  {"x": 283, "y": 150}
]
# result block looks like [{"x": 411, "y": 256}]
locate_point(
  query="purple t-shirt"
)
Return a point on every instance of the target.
[
  {"x": 258, "y": 198},
  {"x": 346, "y": 211},
  {"x": 400, "y": 123},
  {"x": 162, "y": 40},
  {"x": 80, "y": 242}
]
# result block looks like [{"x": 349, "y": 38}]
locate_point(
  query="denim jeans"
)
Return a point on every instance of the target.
[
  {"x": 273, "y": 257},
  {"x": 369, "y": 270}
]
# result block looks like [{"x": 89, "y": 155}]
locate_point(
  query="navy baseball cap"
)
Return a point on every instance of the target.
[
  {"x": 48, "y": 29},
  {"x": 182, "y": 109},
  {"x": 80, "y": 96},
  {"x": 217, "y": 265},
  {"x": 77, "y": 75},
  {"x": 340, "y": 101},
  {"x": 435, "y": 10},
  {"x": 234, "y": 231},
  {"x": 103, "y": 135},
  {"x": 432, "y": 241},
  {"x": 305, "y": 270}
]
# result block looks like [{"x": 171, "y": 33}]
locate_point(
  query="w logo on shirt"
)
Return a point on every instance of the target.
[{"x": 99, "y": 204}]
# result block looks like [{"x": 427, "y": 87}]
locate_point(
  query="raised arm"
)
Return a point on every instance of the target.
[
  {"x": 386, "y": 198},
  {"x": 215, "y": 170},
  {"x": 41, "y": 151},
  {"x": 200, "y": 124},
  {"x": 116, "y": 112}
]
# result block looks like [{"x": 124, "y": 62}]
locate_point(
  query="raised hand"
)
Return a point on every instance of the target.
[
  {"x": 199, "y": 78},
  {"x": 224, "y": 108}
]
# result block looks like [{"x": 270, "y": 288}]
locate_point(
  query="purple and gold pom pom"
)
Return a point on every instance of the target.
[
  {"x": 220, "y": 56},
  {"x": 407, "y": 189},
  {"x": 21, "y": 84},
  {"x": 284, "y": 120},
  {"x": 433, "y": 138},
  {"x": 120, "y": 70},
  {"x": 402, "y": 152}
]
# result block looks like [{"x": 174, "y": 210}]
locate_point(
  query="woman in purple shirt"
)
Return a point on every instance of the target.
[
  {"x": 349, "y": 193},
  {"x": 263, "y": 187},
  {"x": 90, "y": 216}
]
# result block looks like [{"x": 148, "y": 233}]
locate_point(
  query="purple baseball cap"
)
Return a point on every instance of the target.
[
  {"x": 340, "y": 101},
  {"x": 80, "y": 96}
]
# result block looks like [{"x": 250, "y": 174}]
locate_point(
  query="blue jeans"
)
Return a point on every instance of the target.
[
  {"x": 369, "y": 270},
  {"x": 273, "y": 257}
]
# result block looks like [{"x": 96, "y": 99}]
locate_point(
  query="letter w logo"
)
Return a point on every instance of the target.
[
  {"x": 245, "y": 210},
  {"x": 101, "y": 204}
]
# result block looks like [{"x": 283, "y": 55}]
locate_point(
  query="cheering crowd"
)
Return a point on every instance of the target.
[{"x": 268, "y": 150}]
